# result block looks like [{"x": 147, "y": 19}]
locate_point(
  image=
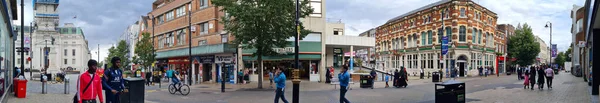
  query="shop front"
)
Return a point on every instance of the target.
[
  {"x": 309, "y": 57},
  {"x": 8, "y": 11}
]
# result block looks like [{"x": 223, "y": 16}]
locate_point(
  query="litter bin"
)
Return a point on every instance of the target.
[
  {"x": 365, "y": 81},
  {"x": 136, "y": 91},
  {"x": 450, "y": 92},
  {"x": 21, "y": 88},
  {"x": 435, "y": 77}
]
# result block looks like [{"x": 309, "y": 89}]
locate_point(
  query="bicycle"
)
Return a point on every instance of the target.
[{"x": 184, "y": 91}]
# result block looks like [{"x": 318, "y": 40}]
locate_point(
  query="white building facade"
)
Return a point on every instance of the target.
[
  {"x": 130, "y": 36},
  {"x": 66, "y": 46}
]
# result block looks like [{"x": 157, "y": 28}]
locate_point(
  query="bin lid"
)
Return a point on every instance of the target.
[
  {"x": 450, "y": 82},
  {"x": 133, "y": 79}
]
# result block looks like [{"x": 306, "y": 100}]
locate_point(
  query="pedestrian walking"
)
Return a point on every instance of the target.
[
  {"x": 480, "y": 69},
  {"x": 526, "y": 81},
  {"x": 271, "y": 78},
  {"x": 113, "y": 82},
  {"x": 92, "y": 83},
  {"x": 532, "y": 73},
  {"x": 396, "y": 78},
  {"x": 148, "y": 80},
  {"x": 403, "y": 78},
  {"x": 541, "y": 77},
  {"x": 549, "y": 77},
  {"x": 280, "y": 80},
  {"x": 373, "y": 75},
  {"x": 519, "y": 74},
  {"x": 387, "y": 78},
  {"x": 486, "y": 72},
  {"x": 344, "y": 79}
]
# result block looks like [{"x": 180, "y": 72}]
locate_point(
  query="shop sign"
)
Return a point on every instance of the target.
[
  {"x": 206, "y": 59},
  {"x": 284, "y": 50},
  {"x": 224, "y": 58}
]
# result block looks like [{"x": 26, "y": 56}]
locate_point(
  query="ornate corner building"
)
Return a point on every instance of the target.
[{"x": 413, "y": 39}]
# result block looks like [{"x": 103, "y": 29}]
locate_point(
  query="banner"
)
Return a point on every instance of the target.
[{"x": 554, "y": 52}]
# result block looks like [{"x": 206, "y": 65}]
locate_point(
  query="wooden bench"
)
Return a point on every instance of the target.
[{"x": 335, "y": 82}]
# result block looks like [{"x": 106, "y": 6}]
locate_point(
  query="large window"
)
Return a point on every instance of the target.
[
  {"x": 169, "y": 15},
  {"x": 423, "y": 37},
  {"x": 73, "y": 52},
  {"x": 160, "y": 19},
  {"x": 462, "y": 12},
  {"x": 462, "y": 34},
  {"x": 180, "y": 37},
  {"x": 409, "y": 41},
  {"x": 479, "y": 37},
  {"x": 65, "y": 62},
  {"x": 224, "y": 38},
  {"x": 429, "y": 37},
  {"x": 579, "y": 26},
  {"x": 316, "y": 6},
  {"x": 181, "y": 11},
  {"x": 449, "y": 34},
  {"x": 440, "y": 35},
  {"x": 203, "y": 4},
  {"x": 73, "y": 61},
  {"x": 474, "y": 35},
  {"x": 65, "y": 52},
  {"x": 204, "y": 28}
]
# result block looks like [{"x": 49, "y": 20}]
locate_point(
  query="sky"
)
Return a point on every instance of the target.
[
  {"x": 103, "y": 21},
  {"x": 362, "y": 15}
]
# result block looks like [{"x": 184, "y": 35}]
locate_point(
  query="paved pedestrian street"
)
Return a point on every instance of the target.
[{"x": 491, "y": 89}]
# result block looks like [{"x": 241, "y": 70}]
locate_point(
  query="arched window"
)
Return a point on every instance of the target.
[
  {"x": 429, "y": 37},
  {"x": 423, "y": 38},
  {"x": 449, "y": 34}
]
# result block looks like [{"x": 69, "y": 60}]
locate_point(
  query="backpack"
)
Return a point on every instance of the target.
[{"x": 75, "y": 99}]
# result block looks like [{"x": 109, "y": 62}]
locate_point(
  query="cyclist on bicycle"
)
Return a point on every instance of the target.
[{"x": 175, "y": 78}]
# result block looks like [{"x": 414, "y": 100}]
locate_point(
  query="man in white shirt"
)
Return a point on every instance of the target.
[{"x": 549, "y": 76}]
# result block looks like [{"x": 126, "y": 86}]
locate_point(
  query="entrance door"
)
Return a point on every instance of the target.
[
  {"x": 461, "y": 68},
  {"x": 206, "y": 72}
]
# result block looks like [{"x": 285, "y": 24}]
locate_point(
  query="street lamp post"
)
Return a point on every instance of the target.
[
  {"x": 189, "y": 73},
  {"x": 548, "y": 22},
  {"x": 295, "y": 75},
  {"x": 22, "y": 38}
]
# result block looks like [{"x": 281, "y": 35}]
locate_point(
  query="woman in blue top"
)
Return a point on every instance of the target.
[
  {"x": 280, "y": 80},
  {"x": 344, "y": 78}
]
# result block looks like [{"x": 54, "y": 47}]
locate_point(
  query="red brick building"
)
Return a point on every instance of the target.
[{"x": 413, "y": 40}]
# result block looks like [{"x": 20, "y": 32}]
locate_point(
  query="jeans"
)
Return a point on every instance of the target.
[
  {"x": 549, "y": 81},
  {"x": 343, "y": 90},
  {"x": 279, "y": 94}
]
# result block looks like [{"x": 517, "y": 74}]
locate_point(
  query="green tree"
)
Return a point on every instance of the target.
[
  {"x": 144, "y": 51},
  {"x": 560, "y": 59},
  {"x": 120, "y": 51},
  {"x": 568, "y": 52},
  {"x": 523, "y": 46},
  {"x": 262, "y": 24}
]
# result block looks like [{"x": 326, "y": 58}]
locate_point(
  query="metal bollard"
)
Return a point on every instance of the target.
[
  {"x": 66, "y": 85},
  {"x": 44, "y": 79}
]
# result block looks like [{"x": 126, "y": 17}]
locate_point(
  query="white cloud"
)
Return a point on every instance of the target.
[{"x": 367, "y": 14}]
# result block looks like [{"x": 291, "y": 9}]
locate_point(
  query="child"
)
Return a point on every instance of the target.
[
  {"x": 387, "y": 78},
  {"x": 526, "y": 81}
]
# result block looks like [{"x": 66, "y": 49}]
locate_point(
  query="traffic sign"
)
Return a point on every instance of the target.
[{"x": 444, "y": 45}]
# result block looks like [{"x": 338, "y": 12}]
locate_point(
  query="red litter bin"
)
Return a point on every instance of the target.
[{"x": 21, "y": 88}]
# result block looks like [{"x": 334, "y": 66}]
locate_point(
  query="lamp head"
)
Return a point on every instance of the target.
[{"x": 546, "y": 26}]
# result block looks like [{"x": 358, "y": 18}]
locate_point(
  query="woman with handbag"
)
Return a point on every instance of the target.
[{"x": 92, "y": 83}]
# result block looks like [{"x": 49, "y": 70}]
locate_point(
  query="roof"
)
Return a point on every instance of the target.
[{"x": 419, "y": 9}]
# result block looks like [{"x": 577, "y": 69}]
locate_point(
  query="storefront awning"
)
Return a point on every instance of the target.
[{"x": 198, "y": 50}]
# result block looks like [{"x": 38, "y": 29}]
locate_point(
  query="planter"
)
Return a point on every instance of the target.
[{"x": 356, "y": 76}]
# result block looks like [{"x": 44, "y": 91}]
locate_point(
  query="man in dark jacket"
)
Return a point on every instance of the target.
[
  {"x": 396, "y": 78},
  {"x": 113, "y": 82},
  {"x": 373, "y": 75},
  {"x": 541, "y": 77}
]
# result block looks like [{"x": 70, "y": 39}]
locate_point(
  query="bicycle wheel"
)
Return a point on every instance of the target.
[
  {"x": 172, "y": 89},
  {"x": 184, "y": 89}
]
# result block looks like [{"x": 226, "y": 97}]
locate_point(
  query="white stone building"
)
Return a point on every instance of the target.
[
  {"x": 544, "y": 55},
  {"x": 130, "y": 35},
  {"x": 67, "y": 45}
]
